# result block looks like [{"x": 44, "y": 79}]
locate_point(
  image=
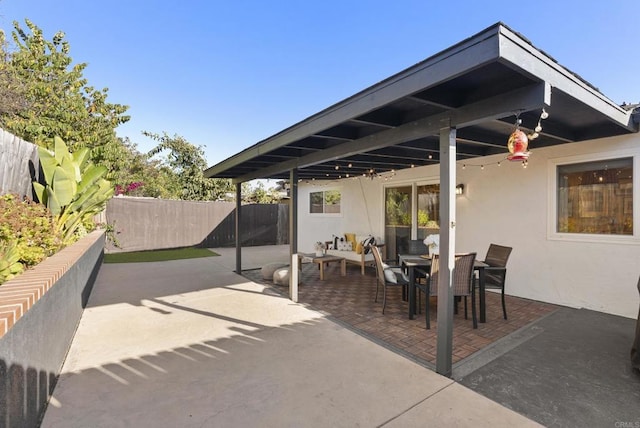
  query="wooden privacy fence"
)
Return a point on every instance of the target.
[
  {"x": 147, "y": 224},
  {"x": 19, "y": 165}
]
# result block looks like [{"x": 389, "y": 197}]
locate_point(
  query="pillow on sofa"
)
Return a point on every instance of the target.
[
  {"x": 351, "y": 237},
  {"x": 344, "y": 246},
  {"x": 366, "y": 244}
]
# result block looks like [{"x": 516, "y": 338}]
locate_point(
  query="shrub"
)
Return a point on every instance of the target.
[
  {"x": 75, "y": 190},
  {"x": 10, "y": 265},
  {"x": 30, "y": 227}
]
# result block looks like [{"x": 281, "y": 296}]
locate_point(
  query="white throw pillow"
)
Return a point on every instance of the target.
[
  {"x": 344, "y": 246},
  {"x": 390, "y": 276}
]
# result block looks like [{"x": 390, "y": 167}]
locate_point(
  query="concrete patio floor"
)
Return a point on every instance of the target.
[
  {"x": 189, "y": 343},
  {"x": 558, "y": 366}
]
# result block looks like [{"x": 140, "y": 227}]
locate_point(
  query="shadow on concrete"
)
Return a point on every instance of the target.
[{"x": 575, "y": 371}]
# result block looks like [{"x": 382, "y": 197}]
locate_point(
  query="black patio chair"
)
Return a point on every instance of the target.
[
  {"x": 463, "y": 283},
  {"x": 417, "y": 247},
  {"x": 387, "y": 276},
  {"x": 495, "y": 275}
]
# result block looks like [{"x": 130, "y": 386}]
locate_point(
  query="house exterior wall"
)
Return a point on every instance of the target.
[{"x": 510, "y": 205}]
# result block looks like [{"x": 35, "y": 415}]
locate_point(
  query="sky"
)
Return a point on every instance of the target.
[{"x": 227, "y": 74}]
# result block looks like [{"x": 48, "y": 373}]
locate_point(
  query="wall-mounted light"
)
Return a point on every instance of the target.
[{"x": 459, "y": 189}]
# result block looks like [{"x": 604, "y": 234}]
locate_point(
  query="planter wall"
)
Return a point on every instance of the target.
[{"x": 39, "y": 313}]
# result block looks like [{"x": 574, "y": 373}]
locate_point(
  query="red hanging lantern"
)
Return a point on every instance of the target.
[{"x": 517, "y": 144}]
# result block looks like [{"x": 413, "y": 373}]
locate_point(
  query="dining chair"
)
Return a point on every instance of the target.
[
  {"x": 463, "y": 283},
  {"x": 387, "y": 276},
  {"x": 495, "y": 275},
  {"x": 417, "y": 247}
]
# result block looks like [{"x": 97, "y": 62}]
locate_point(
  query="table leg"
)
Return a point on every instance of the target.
[
  {"x": 343, "y": 267},
  {"x": 321, "y": 271},
  {"x": 412, "y": 292},
  {"x": 483, "y": 309}
]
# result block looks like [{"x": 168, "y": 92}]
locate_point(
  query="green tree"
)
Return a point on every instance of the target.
[
  {"x": 126, "y": 165},
  {"x": 187, "y": 163},
  {"x": 12, "y": 90},
  {"x": 259, "y": 194},
  {"x": 52, "y": 98}
]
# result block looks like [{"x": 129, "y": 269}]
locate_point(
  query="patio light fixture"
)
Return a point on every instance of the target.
[
  {"x": 372, "y": 173},
  {"x": 519, "y": 141},
  {"x": 460, "y": 189}
]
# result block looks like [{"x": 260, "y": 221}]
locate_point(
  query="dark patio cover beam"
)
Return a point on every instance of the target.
[{"x": 520, "y": 100}]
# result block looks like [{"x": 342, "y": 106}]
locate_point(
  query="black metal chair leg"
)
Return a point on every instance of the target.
[
  {"x": 473, "y": 308},
  {"x": 465, "y": 307},
  {"x": 504, "y": 307},
  {"x": 427, "y": 312},
  {"x": 384, "y": 298}
]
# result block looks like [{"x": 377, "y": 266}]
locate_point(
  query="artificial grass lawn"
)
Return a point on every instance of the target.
[{"x": 158, "y": 255}]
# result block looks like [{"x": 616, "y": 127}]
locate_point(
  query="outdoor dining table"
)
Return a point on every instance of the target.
[{"x": 412, "y": 261}]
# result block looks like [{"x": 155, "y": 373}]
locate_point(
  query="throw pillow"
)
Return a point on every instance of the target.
[
  {"x": 344, "y": 246},
  {"x": 351, "y": 237},
  {"x": 366, "y": 244},
  {"x": 359, "y": 248},
  {"x": 390, "y": 276}
]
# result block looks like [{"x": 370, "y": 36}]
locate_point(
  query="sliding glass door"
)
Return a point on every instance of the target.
[
  {"x": 428, "y": 210},
  {"x": 411, "y": 212}
]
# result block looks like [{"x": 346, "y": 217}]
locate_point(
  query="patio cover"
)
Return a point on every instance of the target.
[
  {"x": 477, "y": 85},
  {"x": 459, "y": 104}
]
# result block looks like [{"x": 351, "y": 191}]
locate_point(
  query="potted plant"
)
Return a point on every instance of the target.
[{"x": 320, "y": 247}]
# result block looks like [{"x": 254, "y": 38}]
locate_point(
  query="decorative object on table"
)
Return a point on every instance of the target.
[
  {"x": 320, "y": 247},
  {"x": 433, "y": 242}
]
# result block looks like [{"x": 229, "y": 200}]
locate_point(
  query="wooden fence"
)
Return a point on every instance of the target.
[
  {"x": 147, "y": 224},
  {"x": 19, "y": 165}
]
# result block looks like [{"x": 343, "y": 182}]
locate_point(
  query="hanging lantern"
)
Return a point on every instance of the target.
[{"x": 517, "y": 144}]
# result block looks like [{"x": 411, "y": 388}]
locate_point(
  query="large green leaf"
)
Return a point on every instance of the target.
[
  {"x": 41, "y": 193},
  {"x": 64, "y": 186},
  {"x": 60, "y": 149},
  {"x": 53, "y": 205},
  {"x": 81, "y": 157},
  {"x": 91, "y": 175},
  {"x": 48, "y": 162}
]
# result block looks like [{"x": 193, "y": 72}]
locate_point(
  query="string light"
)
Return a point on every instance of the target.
[{"x": 497, "y": 163}]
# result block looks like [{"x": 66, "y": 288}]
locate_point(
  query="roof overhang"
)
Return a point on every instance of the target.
[{"x": 477, "y": 86}]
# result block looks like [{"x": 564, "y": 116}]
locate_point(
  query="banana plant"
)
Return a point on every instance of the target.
[
  {"x": 75, "y": 189},
  {"x": 9, "y": 261}
]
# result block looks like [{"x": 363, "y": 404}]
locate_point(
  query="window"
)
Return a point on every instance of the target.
[
  {"x": 595, "y": 197},
  {"x": 410, "y": 210},
  {"x": 326, "y": 202}
]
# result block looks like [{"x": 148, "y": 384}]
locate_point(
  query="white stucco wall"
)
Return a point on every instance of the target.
[{"x": 509, "y": 205}]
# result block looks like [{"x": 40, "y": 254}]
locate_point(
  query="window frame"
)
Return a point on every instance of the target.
[
  {"x": 552, "y": 193},
  {"x": 323, "y": 213}
]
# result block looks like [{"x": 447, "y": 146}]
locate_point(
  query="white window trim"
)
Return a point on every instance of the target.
[
  {"x": 323, "y": 214},
  {"x": 552, "y": 193}
]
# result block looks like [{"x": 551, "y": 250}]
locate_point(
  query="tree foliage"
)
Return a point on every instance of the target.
[
  {"x": 259, "y": 194},
  {"x": 186, "y": 161},
  {"x": 44, "y": 94},
  {"x": 55, "y": 97}
]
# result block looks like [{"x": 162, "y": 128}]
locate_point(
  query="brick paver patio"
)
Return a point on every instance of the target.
[{"x": 350, "y": 300}]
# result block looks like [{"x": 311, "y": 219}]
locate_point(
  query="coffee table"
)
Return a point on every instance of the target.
[{"x": 324, "y": 260}]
